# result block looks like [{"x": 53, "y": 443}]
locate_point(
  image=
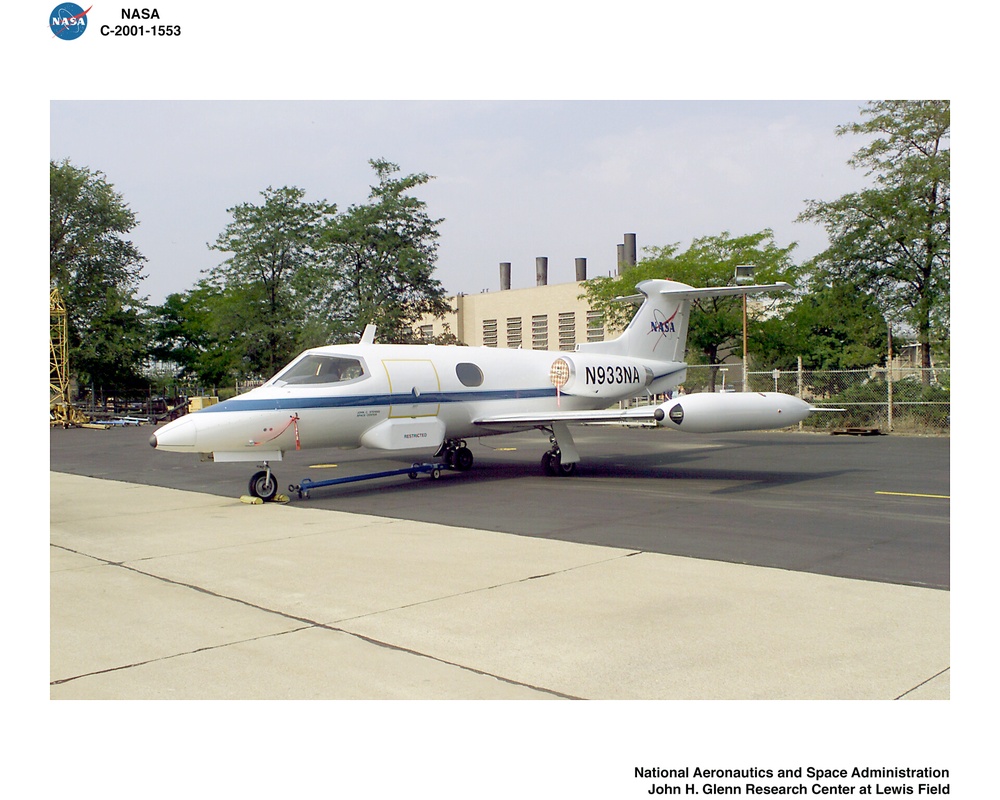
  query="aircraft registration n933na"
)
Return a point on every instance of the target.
[{"x": 410, "y": 397}]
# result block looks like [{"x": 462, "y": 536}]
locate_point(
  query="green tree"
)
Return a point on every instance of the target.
[
  {"x": 830, "y": 328},
  {"x": 893, "y": 239},
  {"x": 185, "y": 333},
  {"x": 97, "y": 271},
  {"x": 382, "y": 254},
  {"x": 260, "y": 296},
  {"x": 716, "y": 324}
]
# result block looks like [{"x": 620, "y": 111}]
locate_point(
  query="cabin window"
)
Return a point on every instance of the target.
[
  {"x": 469, "y": 374},
  {"x": 317, "y": 369}
]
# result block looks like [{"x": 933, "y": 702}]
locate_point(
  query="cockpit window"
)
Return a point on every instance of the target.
[{"x": 314, "y": 369}]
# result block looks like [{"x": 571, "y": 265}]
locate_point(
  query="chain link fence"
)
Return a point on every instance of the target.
[{"x": 903, "y": 399}]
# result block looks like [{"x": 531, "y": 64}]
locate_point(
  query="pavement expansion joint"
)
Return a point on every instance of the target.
[
  {"x": 308, "y": 623},
  {"x": 923, "y": 683}
]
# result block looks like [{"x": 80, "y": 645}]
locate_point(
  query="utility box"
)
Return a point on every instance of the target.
[{"x": 198, "y": 403}]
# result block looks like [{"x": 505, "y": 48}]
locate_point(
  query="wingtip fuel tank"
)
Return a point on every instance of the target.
[{"x": 728, "y": 411}]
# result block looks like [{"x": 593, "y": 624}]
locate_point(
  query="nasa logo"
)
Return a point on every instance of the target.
[
  {"x": 68, "y": 21},
  {"x": 660, "y": 327}
]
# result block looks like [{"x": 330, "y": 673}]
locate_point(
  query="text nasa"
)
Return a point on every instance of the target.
[{"x": 136, "y": 16}]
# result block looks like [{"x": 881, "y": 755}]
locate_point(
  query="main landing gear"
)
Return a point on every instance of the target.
[
  {"x": 456, "y": 455},
  {"x": 552, "y": 461},
  {"x": 560, "y": 461},
  {"x": 263, "y": 484}
]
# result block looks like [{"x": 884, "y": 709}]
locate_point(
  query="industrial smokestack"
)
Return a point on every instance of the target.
[
  {"x": 629, "y": 250},
  {"x": 621, "y": 258},
  {"x": 541, "y": 271},
  {"x": 504, "y": 275},
  {"x": 581, "y": 269}
]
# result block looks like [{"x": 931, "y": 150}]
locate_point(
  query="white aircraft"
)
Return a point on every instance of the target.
[{"x": 411, "y": 397}]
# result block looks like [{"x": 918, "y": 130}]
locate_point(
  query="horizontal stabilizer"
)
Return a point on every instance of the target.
[{"x": 690, "y": 293}]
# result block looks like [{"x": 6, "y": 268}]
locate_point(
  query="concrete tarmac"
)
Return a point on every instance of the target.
[{"x": 167, "y": 593}]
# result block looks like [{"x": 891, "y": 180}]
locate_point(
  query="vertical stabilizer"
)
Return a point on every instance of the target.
[{"x": 659, "y": 328}]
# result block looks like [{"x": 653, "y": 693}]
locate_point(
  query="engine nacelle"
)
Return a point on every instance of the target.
[
  {"x": 733, "y": 411},
  {"x": 600, "y": 376}
]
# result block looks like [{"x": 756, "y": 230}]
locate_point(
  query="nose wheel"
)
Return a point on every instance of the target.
[{"x": 263, "y": 484}]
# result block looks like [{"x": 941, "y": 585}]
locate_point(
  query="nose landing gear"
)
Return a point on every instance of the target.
[{"x": 263, "y": 484}]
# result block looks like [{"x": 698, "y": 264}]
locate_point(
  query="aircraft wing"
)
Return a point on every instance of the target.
[{"x": 637, "y": 414}]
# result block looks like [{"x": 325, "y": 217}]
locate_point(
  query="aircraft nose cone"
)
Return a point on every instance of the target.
[{"x": 181, "y": 435}]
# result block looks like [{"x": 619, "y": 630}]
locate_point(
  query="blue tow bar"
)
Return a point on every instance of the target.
[{"x": 413, "y": 470}]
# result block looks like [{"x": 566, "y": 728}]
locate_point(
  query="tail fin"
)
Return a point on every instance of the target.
[{"x": 658, "y": 331}]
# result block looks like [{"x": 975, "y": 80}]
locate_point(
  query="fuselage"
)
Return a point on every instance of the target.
[{"x": 408, "y": 396}]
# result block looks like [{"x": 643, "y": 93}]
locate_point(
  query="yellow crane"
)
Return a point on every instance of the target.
[{"x": 61, "y": 409}]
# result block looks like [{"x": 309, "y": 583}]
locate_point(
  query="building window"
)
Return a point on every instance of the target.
[
  {"x": 567, "y": 330},
  {"x": 426, "y": 332},
  {"x": 513, "y": 332},
  {"x": 540, "y": 332},
  {"x": 595, "y": 326},
  {"x": 490, "y": 332}
]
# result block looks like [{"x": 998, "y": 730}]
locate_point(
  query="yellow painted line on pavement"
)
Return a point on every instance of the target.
[{"x": 913, "y": 494}]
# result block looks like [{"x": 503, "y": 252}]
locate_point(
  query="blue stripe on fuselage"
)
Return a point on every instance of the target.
[{"x": 368, "y": 400}]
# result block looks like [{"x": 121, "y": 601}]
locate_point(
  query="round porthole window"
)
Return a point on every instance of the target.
[{"x": 469, "y": 374}]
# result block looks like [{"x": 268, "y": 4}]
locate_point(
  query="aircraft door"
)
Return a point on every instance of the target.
[{"x": 414, "y": 386}]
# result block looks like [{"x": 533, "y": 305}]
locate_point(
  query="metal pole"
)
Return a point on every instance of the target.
[
  {"x": 799, "y": 395},
  {"x": 743, "y": 274},
  {"x": 744, "y": 343},
  {"x": 888, "y": 376}
]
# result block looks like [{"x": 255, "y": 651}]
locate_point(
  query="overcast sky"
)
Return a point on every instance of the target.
[{"x": 512, "y": 180}]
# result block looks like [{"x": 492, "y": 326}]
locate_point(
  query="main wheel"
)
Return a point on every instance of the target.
[
  {"x": 463, "y": 458},
  {"x": 263, "y": 485},
  {"x": 550, "y": 463},
  {"x": 565, "y": 470}
]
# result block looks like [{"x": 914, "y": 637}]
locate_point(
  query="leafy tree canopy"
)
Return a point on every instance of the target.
[
  {"x": 893, "y": 240},
  {"x": 382, "y": 255},
  {"x": 299, "y": 274},
  {"x": 831, "y": 327},
  {"x": 261, "y": 292},
  {"x": 97, "y": 270}
]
